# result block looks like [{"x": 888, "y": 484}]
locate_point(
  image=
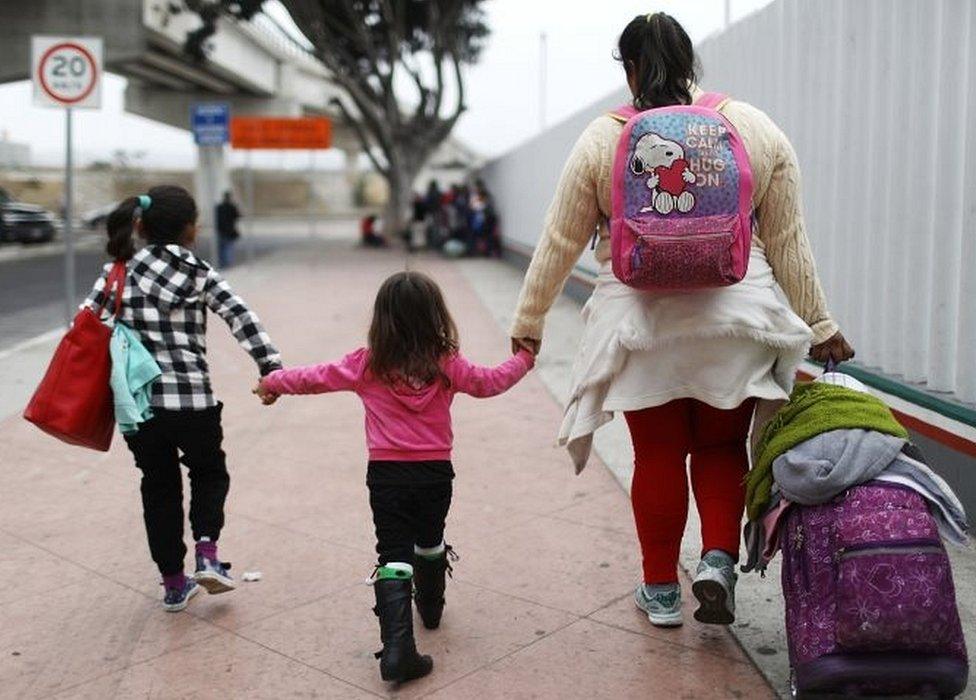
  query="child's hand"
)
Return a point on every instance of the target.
[
  {"x": 267, "y": 398},
  {"x": 530, "y": 344}
]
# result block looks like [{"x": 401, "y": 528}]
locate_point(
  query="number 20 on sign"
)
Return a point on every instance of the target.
[{"x": 67, "y": 71}]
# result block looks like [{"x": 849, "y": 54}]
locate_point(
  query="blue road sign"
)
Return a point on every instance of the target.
[{"x": 211, "y": 123}]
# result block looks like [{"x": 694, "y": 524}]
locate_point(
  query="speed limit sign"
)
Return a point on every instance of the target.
[{"x": 67, "y": 71}]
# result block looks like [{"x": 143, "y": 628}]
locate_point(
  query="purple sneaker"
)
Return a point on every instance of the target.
[
  {"x": 177, "y": 599},
  {"x": 212, "y": 575}
]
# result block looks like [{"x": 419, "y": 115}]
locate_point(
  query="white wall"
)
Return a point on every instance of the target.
[{"x": 875, "y": 96}]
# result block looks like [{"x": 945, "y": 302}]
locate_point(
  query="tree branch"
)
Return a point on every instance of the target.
[
  {"x": 362, "y": 136},
  {"x": 459, "y": 108},
  {"x": 368, "y": 46}
]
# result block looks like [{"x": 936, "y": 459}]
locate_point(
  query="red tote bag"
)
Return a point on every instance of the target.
[{"x": 74, "y": 400}]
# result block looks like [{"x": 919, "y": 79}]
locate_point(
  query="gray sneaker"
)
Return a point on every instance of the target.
[
  {"x": 714, "y": 587},
  {"x": 663, "y": 607}
]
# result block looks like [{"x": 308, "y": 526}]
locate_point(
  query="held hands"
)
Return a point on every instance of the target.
[
  {"x": 267, "y": 398},
  {"x": 835, "y": 348},
  {"x": 530, "y": 344}
]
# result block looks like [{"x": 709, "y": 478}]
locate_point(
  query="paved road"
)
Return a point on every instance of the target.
[{"x": 32, "y": 286}]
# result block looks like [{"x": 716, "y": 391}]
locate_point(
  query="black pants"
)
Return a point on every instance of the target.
[
  {"x": 410, "y": 501},
  {"x": 162, "y": 443}
]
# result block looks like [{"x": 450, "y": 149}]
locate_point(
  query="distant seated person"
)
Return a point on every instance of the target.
[{"x": 371, "y": 238}]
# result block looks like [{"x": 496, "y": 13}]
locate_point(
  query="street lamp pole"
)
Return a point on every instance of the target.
[{"x": 543, "y": 78}]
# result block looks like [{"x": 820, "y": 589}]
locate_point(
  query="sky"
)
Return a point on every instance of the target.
[{"x": 505, "y": 102}]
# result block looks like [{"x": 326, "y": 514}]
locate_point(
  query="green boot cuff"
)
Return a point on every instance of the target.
[{"x": 384, "y": 572}]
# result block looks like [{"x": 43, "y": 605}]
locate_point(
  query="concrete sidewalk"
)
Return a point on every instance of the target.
[{"x": 540, "y": 605}]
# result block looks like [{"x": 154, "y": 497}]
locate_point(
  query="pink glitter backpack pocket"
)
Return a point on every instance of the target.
[{"x": 681, "y": 202}]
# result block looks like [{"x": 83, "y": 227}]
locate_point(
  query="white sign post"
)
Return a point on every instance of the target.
[{"x": 67, "y": 72}]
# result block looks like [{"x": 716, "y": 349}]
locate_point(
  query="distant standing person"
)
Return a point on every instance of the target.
[{"x": 227, "y": 233}]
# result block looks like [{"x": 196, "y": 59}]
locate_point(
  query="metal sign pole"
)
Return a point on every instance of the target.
[
  {"x": 311, "y": 193},
  {"x": 68, "y": 231},
  {"x": 249, "y": 193},
  {"x": 212, "y": 196}
]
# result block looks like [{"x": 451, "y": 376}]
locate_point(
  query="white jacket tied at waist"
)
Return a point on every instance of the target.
[{"x": 641, "y": 349}]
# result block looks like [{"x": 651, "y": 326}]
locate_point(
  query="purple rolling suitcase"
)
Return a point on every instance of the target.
[{"x": 870, "y": 604}]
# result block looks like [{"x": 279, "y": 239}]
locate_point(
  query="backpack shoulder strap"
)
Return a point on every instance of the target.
[
  {"x": 714, "y": 100},
  {"x": 623, "y": 113}
]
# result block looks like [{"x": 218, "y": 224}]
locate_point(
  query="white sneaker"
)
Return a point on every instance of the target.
[
  {"x": 663, "y": 608},
  {"x": 714, "y": 587}
]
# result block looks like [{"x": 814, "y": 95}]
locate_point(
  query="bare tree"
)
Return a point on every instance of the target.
[{"x": 399, "y": 64}]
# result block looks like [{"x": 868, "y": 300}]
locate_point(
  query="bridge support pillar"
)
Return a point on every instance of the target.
[{"x": 211, "y": 180}]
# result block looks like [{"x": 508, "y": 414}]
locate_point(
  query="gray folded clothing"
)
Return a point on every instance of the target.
[{"x": 817, "y": 470}]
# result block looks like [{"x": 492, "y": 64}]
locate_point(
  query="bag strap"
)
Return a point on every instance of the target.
[
  {"x": 713, "y": 100},
  {"x": 623, "y": 113},
  {"x": 115, "y": 284}
]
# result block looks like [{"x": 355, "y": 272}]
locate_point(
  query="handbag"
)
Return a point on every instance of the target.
[{"x": 74, "y": 399}]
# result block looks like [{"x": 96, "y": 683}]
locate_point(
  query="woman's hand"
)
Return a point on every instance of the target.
[
  {"x": 530, "y": 344},
  {"x": 835, "y": 348},
  {"x": 267, "y": 398}
]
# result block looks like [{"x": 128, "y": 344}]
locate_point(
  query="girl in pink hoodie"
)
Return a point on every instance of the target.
[{"x": 406, "y": 378}]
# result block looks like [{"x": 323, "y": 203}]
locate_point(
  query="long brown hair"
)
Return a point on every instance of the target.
[{"x": 411, "y": 331}]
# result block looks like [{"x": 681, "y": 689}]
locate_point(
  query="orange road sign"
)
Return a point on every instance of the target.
[{"x": 280, "y": 132}]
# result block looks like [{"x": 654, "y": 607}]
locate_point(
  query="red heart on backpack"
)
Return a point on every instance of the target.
[{"x": 670, "y": 178}]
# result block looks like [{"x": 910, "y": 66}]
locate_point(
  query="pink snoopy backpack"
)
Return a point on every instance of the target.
[{"x": 681, "y": 200}]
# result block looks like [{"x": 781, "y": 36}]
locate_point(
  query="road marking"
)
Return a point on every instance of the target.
[{"x": 50, "y": 335}]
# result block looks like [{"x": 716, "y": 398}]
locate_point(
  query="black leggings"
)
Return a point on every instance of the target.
[
  {"x": 410, "y": 501},
  {"x": 162, "y": 443}
]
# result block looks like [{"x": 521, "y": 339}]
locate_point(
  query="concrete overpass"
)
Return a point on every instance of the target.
[{"x": 253, "y": 66}]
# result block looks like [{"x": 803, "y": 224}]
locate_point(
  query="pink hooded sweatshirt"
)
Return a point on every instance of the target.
[{"x": 403, "y": 423}]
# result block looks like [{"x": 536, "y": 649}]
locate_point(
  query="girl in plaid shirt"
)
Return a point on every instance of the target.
[{"x": 167, "y": 293}]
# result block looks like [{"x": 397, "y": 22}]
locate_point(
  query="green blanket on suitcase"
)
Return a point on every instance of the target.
[{"x": 813, "y": 409}]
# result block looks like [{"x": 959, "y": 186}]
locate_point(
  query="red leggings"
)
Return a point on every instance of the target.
[{"x": 663, "y": 437}]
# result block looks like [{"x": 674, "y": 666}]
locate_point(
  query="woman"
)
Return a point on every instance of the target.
[{"x": 685, "y": 368}]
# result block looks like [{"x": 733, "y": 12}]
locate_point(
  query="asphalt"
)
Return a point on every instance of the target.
[{"x": 32, "y": 299}]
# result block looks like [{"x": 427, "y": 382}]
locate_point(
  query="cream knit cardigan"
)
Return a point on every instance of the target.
[{"x": 582, "y": 204}]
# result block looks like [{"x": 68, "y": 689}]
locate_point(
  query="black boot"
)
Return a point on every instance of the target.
[
  {"x": 429, "y": 577},
  {"x": 399, "y": 660}
]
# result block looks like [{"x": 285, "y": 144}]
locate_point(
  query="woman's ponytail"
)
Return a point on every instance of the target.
[
  {"x": 659, "y": 59},
  {"x": 120, "y": 226}
]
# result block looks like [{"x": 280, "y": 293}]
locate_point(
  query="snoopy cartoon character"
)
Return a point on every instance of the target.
[{"x": 669, "y": 173}]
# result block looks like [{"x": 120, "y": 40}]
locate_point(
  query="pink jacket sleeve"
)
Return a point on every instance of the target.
[
  {"x": 343, "y": 375},
  {"x": 483, "y": 382}
]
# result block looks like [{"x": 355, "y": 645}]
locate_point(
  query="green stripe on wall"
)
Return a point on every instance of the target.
[{"x": 950, "y": 409}]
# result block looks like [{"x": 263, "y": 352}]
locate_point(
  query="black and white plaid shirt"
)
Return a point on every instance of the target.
[{"x": 167, "y": 293}]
